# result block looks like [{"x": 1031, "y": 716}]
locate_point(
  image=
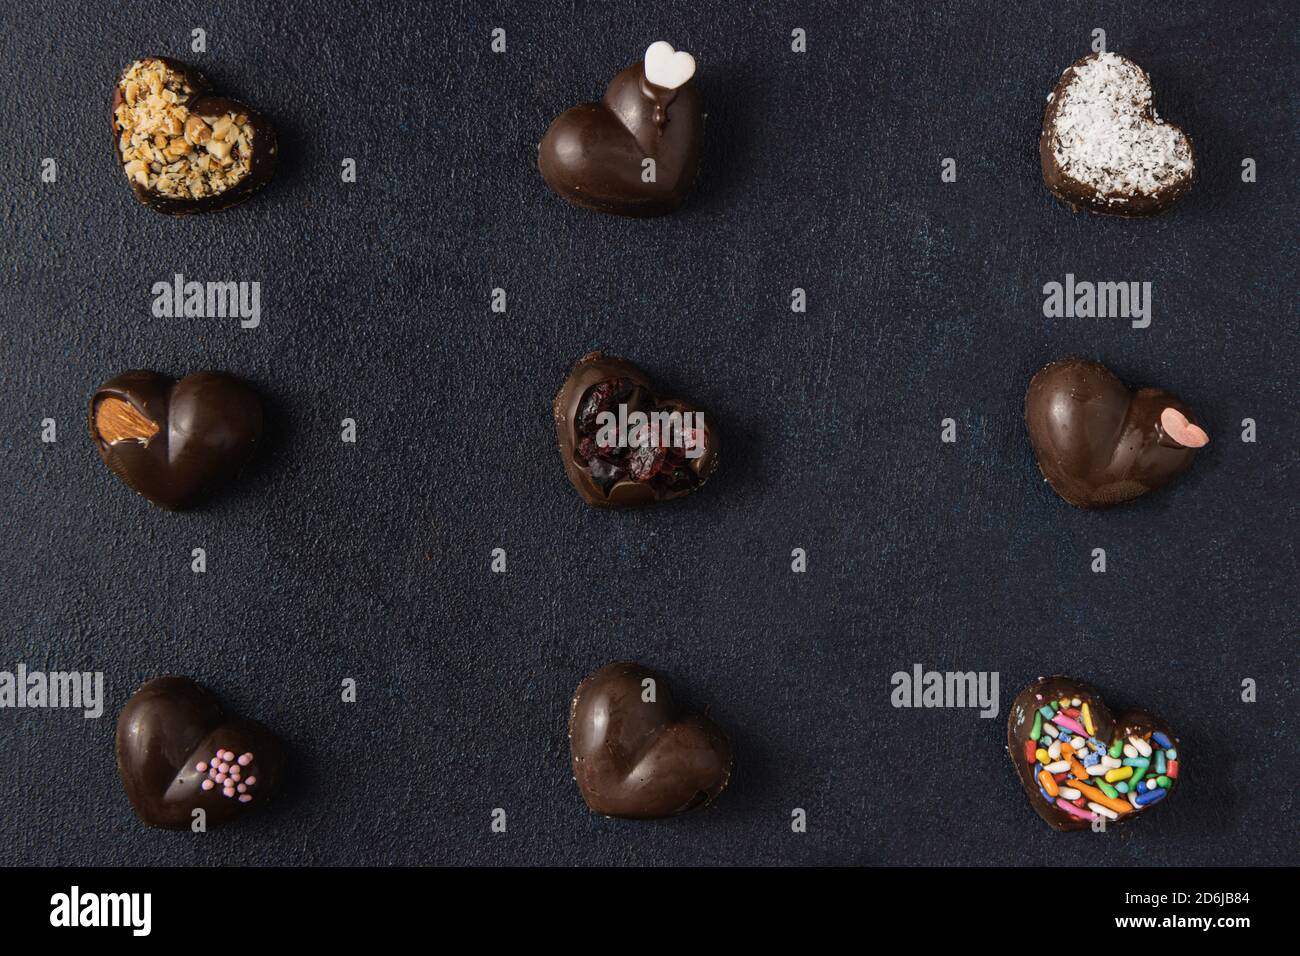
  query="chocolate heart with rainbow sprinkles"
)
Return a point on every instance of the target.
[
  {"x": 178, "y": 752},
  {"x": 1079, "y": 765}
]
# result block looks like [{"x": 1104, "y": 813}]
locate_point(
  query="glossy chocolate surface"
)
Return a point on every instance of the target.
[
  {"x": 592, "y": 154},
  {"x": 1107, "y": 728},
  {"x": 1097, "y": 443},
  {"x": 204, "y": 102},
  {"x": 609, "y": 484},
  {"x": 208, "y": 424},
  {"x": 171, "y": 726},
  {"x": 639, "y": 759}
]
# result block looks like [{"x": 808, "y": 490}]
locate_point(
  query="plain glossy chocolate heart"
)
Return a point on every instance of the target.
[
  {"x": 1078, "y": 764},
  {"x": 1103, "y": 146},
  {"x": 623, "y": 476},
  {"x": 174, "y": 442},
  {"x": 1097, "y": 443},
  {"x": 178, "y": 752},
  {"x": 183, "y": 149},
  {"x": 593, "y": 154},
  {"x": 635, "y": 755}
]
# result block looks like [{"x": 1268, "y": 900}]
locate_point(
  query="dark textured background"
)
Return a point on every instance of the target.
[{"x": 371, "y": 561}]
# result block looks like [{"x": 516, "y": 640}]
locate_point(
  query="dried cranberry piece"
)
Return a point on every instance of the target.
[
  {"x": 603, "y": 397},
  {"x": 646, "y": 461}
]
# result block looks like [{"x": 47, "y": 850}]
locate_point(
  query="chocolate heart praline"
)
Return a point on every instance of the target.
[
  {"x": 1028, "y": 733},
  {"x": 167, "y": 736},
  {"x": 593, "y": 154},
  {"x": 599, "y": 479},
  {"x": 1104, "y": 148},
  {"x": 254, "y": 152},
  {"x": 638, "y": 759},
  {"x": 207, "y": 425},
  {"x": 1097, "y": 443}
]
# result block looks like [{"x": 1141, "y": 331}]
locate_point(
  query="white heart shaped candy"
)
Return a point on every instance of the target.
[{"x": 667, "y": 67}]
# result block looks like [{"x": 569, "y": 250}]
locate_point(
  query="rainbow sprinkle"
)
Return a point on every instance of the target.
[{"x": 1082, "y": 776}]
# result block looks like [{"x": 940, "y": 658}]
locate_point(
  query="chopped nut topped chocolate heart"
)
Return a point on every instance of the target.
[{"x": 182, "y": 149}]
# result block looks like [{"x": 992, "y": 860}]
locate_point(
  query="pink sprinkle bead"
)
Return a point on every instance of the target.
[
  {"x": 242, "y": 789},
  {"x": 222, "y": 778},
  {"x": 244, "y": 798},
  {"x": 227, "y": 756},
  {"x": 251, "y": 780},
  {"x": 208, "y": 784},
  {"x": 227, "y": 792},
  {"x": 200, "y": 766},
  {"x": 245, "y": 759}
]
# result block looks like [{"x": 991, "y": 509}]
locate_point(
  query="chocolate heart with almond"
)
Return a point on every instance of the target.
[
  {"x": 1099, "y": 444},
  {"x": 1078, "y": 764},
  {"x": 1103, "y": 146},
  {"x": 665, "y": 450},
  {"x": 183, "y": 149},
  {"x": 597, "y": 155},
  {"x": 177, "y": 752},
  {"x": 174, "y": 442},
  {"x": 635, "y": 753}
]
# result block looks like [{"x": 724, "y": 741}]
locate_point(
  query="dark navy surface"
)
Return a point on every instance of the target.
[{"x": 371, "y": 561}]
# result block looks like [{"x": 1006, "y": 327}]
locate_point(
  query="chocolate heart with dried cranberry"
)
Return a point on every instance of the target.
[
  {"x": 595, "y": 155},
  {"x": 178, "y": 752},
  {"x": 173, "y": 442},
  {"x": 635, "y": 755},
  {"x": 1078, "y": 764},
  {"x": 1103, "y": 146},
  {"x": 183, "y": 149},
  {"x": 1097, "y": 443},
  {"x": 665, "y": 451}
]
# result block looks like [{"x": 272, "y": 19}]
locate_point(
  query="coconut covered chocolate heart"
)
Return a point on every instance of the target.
[
  {"x": 1080, "y": 765},
  {"x": 1104, "y": 147},
  {"x": 623, "y": 445},
  {"x": 635, "y": 153},
  {"x": 174, "y": 442},
  {"x": 183, "y": 149},
  {"x": 635, "y": 754},
  {"x": 1097, "y": 443},
  {"x": 177, "y": 752}
]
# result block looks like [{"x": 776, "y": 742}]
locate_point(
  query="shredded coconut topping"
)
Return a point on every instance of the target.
[{"x": 1108, "y": 135}]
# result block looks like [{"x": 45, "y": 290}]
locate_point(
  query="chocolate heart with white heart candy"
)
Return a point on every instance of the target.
[
  {"x": 1103, "y": 146},
  {"x": 177, "y": 752},
  {"x": 1097, "y": 443},
  {"x": 174, "y": 442},
  {"x": 595, "y": 155},
  {"x": 183, "y": 149},
  {"x": 1080, "y": 765},
  {"x": 635, "y": 754}
]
